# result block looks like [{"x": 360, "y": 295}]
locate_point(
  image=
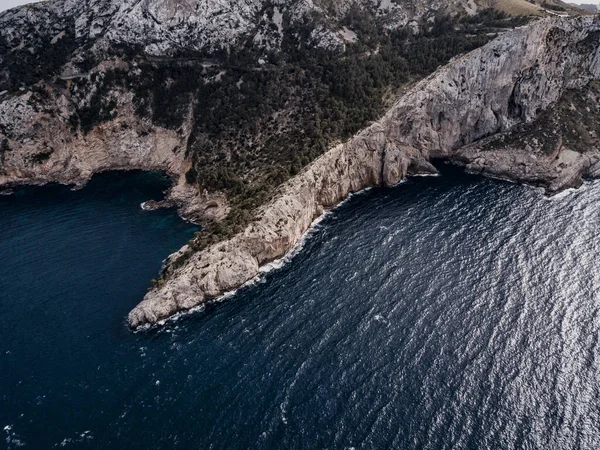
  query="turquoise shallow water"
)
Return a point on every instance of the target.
[{"x": 448, "y": 312}]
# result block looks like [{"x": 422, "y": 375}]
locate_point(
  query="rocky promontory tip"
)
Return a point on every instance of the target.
[{"x": 367, "y": 160}]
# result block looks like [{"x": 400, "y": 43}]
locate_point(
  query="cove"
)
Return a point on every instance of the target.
[{"x": 447, "y": 312}]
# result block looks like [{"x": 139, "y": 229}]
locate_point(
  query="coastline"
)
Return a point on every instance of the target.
[
  {"x": 427, "y": 122},
  {"x": 449, "y": 115},
  {"x": 263, "y": 270}
]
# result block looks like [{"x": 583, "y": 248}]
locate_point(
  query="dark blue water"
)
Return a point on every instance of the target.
[{"x": 448, "y": 312}]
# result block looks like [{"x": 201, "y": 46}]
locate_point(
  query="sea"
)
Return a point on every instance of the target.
[{"x": 448, "y": 312}]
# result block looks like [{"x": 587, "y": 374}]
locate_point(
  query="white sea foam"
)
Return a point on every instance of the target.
[
  {"x": 564, "y": 194},
  {"x": 77, "y": 439},
  {"x": 425, "y": 175},
  {"x": 587, "y": 184},
  {"x": 12, "y": 440},
  {"x": 281, "y": 262}
]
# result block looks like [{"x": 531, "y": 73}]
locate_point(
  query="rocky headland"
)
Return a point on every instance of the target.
[
  {"x": 43, "y": 148},
  {"x": 466, "y": 112}
]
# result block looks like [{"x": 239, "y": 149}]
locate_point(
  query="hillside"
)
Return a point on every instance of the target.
[
  {"x": 516, "y": 7},
  {"x": 231, "y": 98},
  {"x": 588, "y": 7}
]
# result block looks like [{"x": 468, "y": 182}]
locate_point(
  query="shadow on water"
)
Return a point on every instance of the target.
[{"x": 447, "y": 312}]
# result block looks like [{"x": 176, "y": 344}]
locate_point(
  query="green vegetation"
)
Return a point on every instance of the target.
[
  {"x": 257, "y": 117},
  {"x": 4, "y": 146},
  {"x": 40, "y": 59},
  {"x": 256, "y": 125},
  {"x": 99, "y": 106},
  {"x": 42, "y": 157}
]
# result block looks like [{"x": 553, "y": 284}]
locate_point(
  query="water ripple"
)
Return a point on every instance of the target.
[{"x": 446, "y": 313}]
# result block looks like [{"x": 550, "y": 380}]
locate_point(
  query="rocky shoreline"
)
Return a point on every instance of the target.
[
  {"x": 455, "y": 114},
  {"x": 44, "y": 149},
  {"x": 554, "y": 175},
  {"x": 448, "y": 115}
]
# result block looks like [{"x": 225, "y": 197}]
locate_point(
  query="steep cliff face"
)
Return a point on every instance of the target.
[
  {"x": 467, "y": 109},
  {"x": 38, "y": 145},
  {"x": 556, "y": 151},
  {"x": 510, "y": 82},
  {"x": 48, "y": 150}
]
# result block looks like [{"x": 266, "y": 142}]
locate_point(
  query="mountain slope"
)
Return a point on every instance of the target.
[
  {"x": 78, "y": 32},
  {"x": 516, "y": 7},
  {"x": 148, "y": 84}
]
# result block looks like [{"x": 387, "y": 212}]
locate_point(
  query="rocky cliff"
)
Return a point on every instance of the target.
[
  {"x": 105, "y": 84},
  {"x": 167, "y": 27},
  {"x": 38, "y": 146},
  {"x": 473, "y": 112}
]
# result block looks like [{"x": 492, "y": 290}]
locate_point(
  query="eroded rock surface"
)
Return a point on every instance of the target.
[
  {"x": 165, "y": 27},
  {"x": 39, "y": 146}
]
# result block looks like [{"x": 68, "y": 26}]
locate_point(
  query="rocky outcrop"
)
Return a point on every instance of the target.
[
  {"x": 566, "y": 170},
  {"x": 42, "y": 147},
  {"x": 367, "y": 160},
  {"x": 166, "y": 27},
  {"x": 508, "y": 82}
]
